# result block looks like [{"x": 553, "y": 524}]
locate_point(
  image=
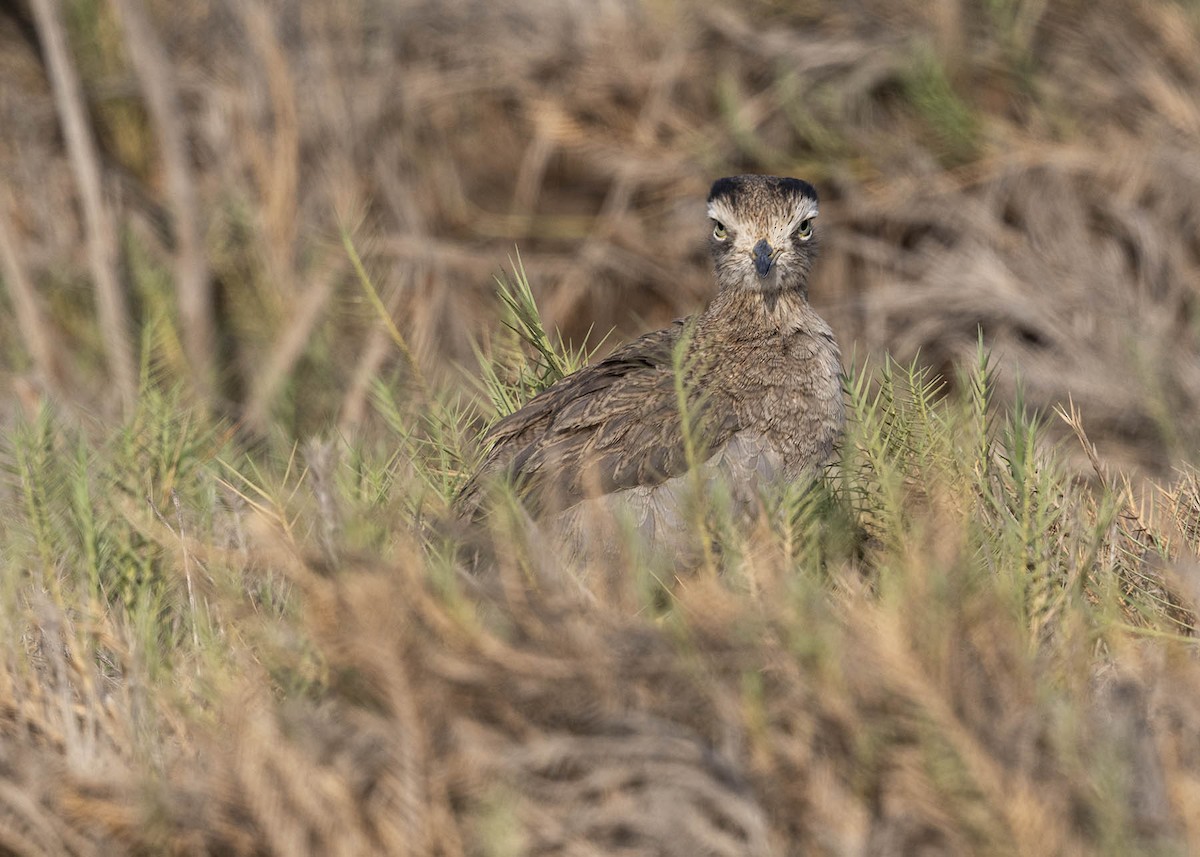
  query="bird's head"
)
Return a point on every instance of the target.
[{"x": 762, "y": 232}]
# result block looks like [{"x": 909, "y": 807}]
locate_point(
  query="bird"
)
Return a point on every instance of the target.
[{"x": 747, "y": 392}]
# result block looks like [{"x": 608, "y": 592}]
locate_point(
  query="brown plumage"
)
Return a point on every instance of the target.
[{"x": 760, "y": 375}]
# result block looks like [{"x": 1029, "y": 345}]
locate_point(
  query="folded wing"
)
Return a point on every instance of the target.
[{"x": 611, "y": 426}]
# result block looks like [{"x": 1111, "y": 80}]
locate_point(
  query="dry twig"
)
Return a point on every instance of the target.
[{"x": 99, "y": 225}]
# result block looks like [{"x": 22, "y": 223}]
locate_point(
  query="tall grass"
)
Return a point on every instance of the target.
[
  {"x": 947, "y": 636},
  {"x": 974, "y": 162},
  {"x": 239, "y": 611}
]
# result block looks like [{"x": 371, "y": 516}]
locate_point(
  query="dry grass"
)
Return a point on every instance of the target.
[
  {"x": 801, "y": 720},
  {"x": 949, "y": 647},
  {"x": 227, "y": 637},
  {"x": 1027, "y": 169}
]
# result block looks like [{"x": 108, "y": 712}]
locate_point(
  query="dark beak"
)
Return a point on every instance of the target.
[{"x": 763, "y": 260}]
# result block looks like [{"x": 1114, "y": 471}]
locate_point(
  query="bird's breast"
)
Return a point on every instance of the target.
[{"x": 787, "y": 390}]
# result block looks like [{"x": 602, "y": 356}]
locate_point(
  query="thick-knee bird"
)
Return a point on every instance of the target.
[{"x": 747, "y": 391}]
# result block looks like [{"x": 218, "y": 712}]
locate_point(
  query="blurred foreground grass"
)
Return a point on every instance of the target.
[{"x": 231, "y": 648}]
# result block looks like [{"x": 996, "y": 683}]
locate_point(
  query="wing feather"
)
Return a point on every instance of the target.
[{"x": 611, "y": 426}]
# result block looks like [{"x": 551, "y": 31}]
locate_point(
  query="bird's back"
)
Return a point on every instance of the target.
[
  {"x": 610, "y": 441},
  {"x": 611, "y": 426}
]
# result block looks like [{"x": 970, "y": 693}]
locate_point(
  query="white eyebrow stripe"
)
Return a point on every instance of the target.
[
  {"x": 805, "y": 212},
  {"x": 721, "y": 211},
  {"x": 718, "y": 210}
]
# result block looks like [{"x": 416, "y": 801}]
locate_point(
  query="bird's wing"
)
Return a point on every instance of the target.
[{"x": 613, "y": 425}]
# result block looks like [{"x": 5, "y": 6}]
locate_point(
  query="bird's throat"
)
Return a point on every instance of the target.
[{"x": 737, "y": 312}]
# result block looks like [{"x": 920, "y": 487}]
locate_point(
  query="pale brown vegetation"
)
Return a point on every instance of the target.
[
  {"x": 991, "y": 659},
  {"x": 521, "y": 721},
  {"x": 1027, "y": 169}
]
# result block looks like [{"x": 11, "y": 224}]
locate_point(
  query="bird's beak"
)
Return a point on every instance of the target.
[{"x": 764, "y": 259}]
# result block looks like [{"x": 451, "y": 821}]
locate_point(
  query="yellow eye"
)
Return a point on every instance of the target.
[
  {"x": 719, "y": 232},
  {"x": 804, "y": 230}
]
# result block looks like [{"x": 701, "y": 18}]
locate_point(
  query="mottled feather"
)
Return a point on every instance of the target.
[{"x": 610, "y": 426}]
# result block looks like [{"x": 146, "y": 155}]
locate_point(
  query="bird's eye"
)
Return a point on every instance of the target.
[
  {"x": 719, "y": 231},
  {"x": 804, "y": 230}
]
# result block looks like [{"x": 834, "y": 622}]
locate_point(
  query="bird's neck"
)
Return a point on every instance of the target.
[{"x": 785, "y": 311}]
